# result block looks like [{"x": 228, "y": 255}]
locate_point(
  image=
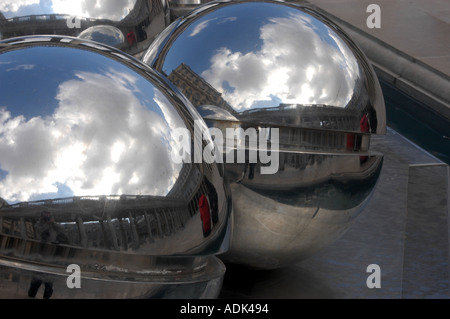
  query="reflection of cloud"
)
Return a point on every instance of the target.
[
  {"x": 229, "y": 19},
  {"x": 297, "y": 63},
  {"x": 100, "y": 140},
  {"x": 21, "y": 67},
  {"x": 204, "y": 24},
  {"x": 101, "y": 9},
  {"x": 14, "y": 6},
  {"x": 201, "y": 26}
]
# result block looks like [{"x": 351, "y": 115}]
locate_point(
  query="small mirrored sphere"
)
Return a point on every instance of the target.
[
  {"x": 105, "y": 34},
  {"x": 89, "y": 176},
  {"x": 301, "y": 101}
]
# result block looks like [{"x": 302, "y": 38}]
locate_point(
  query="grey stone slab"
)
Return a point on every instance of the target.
[{"x": 426, "y": 252}]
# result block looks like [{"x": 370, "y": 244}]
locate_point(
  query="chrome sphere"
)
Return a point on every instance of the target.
[
  {"x": 87, "y": 177},
  {"x": 311, "y": 99},
  {"x": 105, "y": 34},
  {"x": 137, "y": 20}
]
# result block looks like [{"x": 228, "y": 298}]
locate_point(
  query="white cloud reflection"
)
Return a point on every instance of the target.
[
  {"x": 101, "y": 140},
  {"x": 296, "y": 63},
  {"x": 21, "y": 67},
  {"x": 200, "y": 27},
  {"x": 14, "y": 6},
  {"x": 99, "y": 9}
]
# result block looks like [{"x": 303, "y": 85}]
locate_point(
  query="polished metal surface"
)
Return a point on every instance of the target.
[
  {"x": 105, "y": 34},
  {"x": 87, "y": 175},
  {"x": 138, "y": 20},
  {"x": 24, "y": 280},
  {"x": 284, "y": 218},
  {"x": 302, "y": 84}
]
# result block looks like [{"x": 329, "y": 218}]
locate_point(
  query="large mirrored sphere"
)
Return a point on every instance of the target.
[
  {"x": 89, "y": 176},
  {"x": 298, "y": 87}
]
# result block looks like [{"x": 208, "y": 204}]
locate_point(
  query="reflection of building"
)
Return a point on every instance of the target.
[
  {"x": 306, "y": 116},
  {"x": 311, "y": 127},
  {"x": 187, "y": 182},
  {"x": 38, "y": 24},
  {"x": 112, "y": 222},
  {"x": 197, "y": 90}
]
